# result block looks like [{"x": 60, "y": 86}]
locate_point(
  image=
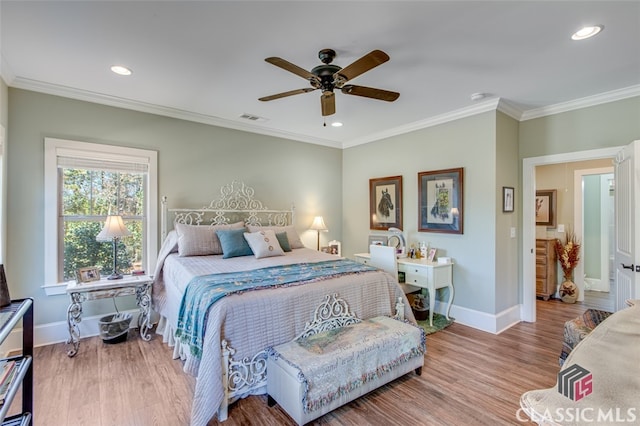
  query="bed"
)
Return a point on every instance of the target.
[{"x": 228, "y": 358}]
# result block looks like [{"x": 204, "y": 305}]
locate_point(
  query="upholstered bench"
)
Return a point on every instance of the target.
[
  {"x": 577, "y": 329},
  {"x": 339, "y": 358}
]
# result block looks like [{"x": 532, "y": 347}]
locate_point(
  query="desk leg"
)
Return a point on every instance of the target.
[
  {"x": 450, "y": 287},
  {"x": 143, "y": 298},
  {"x": 74, "y": 316},
  {"x": 432, "y": 303}
]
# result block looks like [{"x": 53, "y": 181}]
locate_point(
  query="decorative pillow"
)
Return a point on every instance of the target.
[
  {"x": 292, "y": 234},
  {"x": 233, "y": 243},
  {"x": 201, "y": 240},
  {"x": 264, "y": 243},
  {"x": 283, "y": 240}
]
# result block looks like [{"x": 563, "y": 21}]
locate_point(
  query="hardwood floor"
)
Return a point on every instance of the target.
[{"x": 469, "y": 377}]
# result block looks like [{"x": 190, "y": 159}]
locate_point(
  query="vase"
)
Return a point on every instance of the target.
[{"x": 568, "y": 291}]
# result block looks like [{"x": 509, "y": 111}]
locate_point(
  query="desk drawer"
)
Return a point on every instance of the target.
[{"x": 414, "y": 278}]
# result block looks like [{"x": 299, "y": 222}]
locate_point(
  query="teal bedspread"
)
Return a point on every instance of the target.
[{"x": 204, "y": 291}]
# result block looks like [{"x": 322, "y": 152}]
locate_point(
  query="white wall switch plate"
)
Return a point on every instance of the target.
[
  {"x": 560, "y": 228},
  {"x": 513, "y": 232}
]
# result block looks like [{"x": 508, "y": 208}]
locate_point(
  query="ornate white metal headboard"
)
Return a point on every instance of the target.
[{"x": 236, "y": 203}]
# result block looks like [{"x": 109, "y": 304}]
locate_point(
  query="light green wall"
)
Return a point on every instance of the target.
[
  {"x": 4, "y": 103},
  {"x": 601, "y": 126},
  {"x": 507, "y": 171},
  {"x": 467, "y": 143},
  {"x": 194, "y": 161},
  {"x": 592, "y": 224}
]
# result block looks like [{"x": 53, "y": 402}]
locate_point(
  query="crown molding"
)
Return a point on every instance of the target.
[
  {"x": 489, "y": 105},
  {"x": 498, "y": 104},
  {"x": 589, "y": 101},
  {"x": 114, "y": 101}
]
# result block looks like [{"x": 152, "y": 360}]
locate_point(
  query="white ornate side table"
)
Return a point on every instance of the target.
[{"x": 139, "y": 285}]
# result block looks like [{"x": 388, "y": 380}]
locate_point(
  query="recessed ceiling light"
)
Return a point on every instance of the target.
[
  {"x": 119, "y": 69},
  {"x": 586, "y": 32},
  {"x": 336, "y": 124},
  {"x": 478, "y": 96}
]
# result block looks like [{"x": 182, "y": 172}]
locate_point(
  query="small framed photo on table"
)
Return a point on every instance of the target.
[
  {"x": 86, "y": 275},
  {"x": 432, "y": 254}
]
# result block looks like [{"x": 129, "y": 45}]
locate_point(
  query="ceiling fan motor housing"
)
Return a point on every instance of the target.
[{"x": 325, "y": 73}]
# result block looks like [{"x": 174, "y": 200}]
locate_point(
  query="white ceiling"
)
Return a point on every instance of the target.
[{"x": 204, "y": 61}]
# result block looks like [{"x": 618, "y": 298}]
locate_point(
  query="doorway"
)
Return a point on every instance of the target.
[
  {"x": 594, "y": 223},
  {"x": 528, "y": 217}
]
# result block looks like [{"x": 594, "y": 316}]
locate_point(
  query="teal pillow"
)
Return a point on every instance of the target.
[
  {"x": 284, "y": 241},
  {"x": 233, "y": 243}
]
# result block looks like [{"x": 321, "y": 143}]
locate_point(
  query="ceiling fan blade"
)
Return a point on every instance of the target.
[
  {"x": 328, "y": 102},
  {"x": 370, "y": 92},
  {"x": 362, "y": 65},
  {"x": 288, "y": 66},
  {"x": 285, "y": 94}
]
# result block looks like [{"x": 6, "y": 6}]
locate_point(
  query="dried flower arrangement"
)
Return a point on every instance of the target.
[{"x": 568, "y": 254}]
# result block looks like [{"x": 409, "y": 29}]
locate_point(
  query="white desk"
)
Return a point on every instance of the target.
[{"x": 424, "y": 274}]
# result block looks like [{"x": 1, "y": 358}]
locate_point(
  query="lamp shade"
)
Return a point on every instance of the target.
[
  {"x": 318, "y": 224},
  {"x": 113, "y": 228}
]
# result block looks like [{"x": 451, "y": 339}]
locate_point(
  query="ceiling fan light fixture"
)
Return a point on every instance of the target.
[
  {"x": 587, "y": 32},
  {"x": 121, "y": 70}
]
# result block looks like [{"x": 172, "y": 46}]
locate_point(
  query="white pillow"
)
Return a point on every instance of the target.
[
  {"x": 264, "y": 243},
  {"x": 292, "y": 235},
  {"x": 201, "y": 240}
]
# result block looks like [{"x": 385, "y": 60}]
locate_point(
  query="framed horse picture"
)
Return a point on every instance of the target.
[
  {"x": 440, "y": 201},
  {"x": 385, "y": 203}
]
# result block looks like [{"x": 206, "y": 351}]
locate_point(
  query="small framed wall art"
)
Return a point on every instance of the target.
[
  {"x": 385, "y": 203},
  {"x": 440, "y": 207},
  {"x": 507, "y": 199},
  {"x": 546, "y": 208}
]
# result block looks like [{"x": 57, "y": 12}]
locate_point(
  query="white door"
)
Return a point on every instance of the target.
[{"x": 627, "y": 267}]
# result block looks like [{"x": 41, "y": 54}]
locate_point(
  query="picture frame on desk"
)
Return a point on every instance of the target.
[
  {"x": 377, "y": 240},
  {"x": 432, "y": 254},
  {"x": 86, "y": 275},
  {"x": 440, "y": 201},
  {"x": 385, "y": 203}
]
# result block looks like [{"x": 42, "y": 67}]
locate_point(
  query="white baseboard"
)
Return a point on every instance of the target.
[
  {"x": 57, "y": 332},
  {"x": 491, "y": 323}
]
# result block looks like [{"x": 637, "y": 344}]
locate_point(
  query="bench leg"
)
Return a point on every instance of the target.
[
  {"x": 270, "y": 401},
  {"x": 419, "y": 371}
]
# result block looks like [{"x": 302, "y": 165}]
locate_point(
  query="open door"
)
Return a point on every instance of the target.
[{"x": 627, "y": 267}]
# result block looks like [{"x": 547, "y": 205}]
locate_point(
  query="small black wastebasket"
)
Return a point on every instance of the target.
[{"x": 114, "y": 328}]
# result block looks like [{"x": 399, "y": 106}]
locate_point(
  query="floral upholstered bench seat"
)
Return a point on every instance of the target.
[
  {"x": 578, "y": 328},
  {"x": 318, "y": 372}
]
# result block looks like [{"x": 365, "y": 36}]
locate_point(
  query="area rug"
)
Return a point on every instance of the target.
[{"x": 439, "y": 322}]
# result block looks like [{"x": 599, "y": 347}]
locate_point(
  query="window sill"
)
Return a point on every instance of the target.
[{"x": 55, "y": 289}]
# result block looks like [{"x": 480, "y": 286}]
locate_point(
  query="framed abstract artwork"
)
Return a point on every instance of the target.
[
  {"x": 440, "y": 206},
  {"x": 546, "y": 208},
  {"x": 385, "y": 203}
]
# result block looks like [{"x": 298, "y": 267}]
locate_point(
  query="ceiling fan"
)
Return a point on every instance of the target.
[{"x": 328, "y": 77}]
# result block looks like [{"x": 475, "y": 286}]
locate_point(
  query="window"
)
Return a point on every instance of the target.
[{"x": 84, "y": 183}]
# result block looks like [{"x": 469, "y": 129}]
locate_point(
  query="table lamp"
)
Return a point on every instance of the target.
[
  {"x": 113, "y": 230},
  {"x": 318, "y": 225}
]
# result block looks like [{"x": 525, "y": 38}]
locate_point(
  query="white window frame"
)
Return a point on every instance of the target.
[{"x": 61, "y": 147}]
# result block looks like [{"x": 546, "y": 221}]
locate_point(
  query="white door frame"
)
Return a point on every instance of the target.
[{"x": 528, "y": 312}]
